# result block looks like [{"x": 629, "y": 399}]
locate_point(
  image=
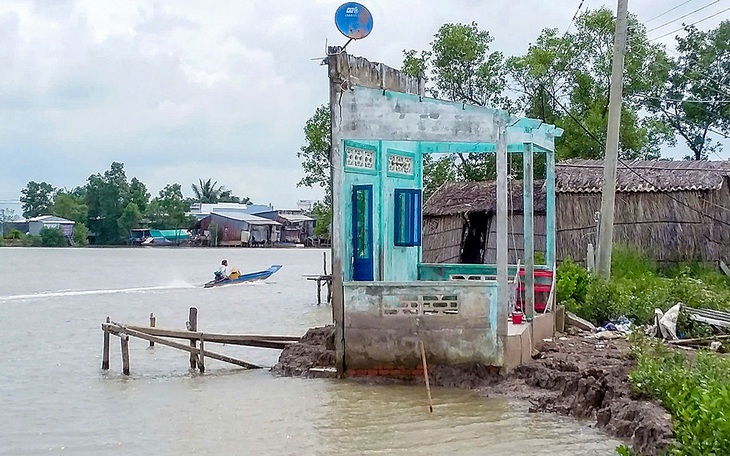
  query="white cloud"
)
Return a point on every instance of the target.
[{"x": 187, "y": 89}]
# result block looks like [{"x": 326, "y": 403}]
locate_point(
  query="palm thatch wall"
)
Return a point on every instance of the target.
[
  {"x": 449, "y": 210},
  {"x": 671, "y": 210}
]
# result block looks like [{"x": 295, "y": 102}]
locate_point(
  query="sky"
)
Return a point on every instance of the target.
[{"x": 179, "y": 90}]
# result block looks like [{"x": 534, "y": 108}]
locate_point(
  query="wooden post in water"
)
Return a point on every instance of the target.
[
  {"x": 105, "y": 352},
  {"x": 201, "y": 358},
  {"x": 324, "y": 263},
  {"x": 125, "y": 353},
  {"x": 193, "y": 326},
  {"x": 319, "y": 291},
  {"x": 425, "y": 374},
  {"x": 153, "y": 321}
]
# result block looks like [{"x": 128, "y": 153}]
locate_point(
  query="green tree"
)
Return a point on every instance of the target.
[
  {"x": 138, "y": 194},
  {"x": 564, "y": 78},
  {"x": 37, "y": 199},
  {"x": 80, "y": 235},
  {"x": 168, "y": 209},
  {"x": 70, "y": 206},
  {"x": 130, "y": 218},
  {"x": 53, "y": 237},
  {"x": 207, "y": 191},
  {"x": 315, "y": 153},
  {"x": 106, "y": 196},
  {"x": 322, "y": 213},
  {"x": 693, "y": 98}
]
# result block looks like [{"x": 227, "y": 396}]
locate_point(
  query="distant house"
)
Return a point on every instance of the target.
[
  {"x": 36, "y": 224},
  {"x": 296, "y": 226},
  {"x": 202, "y": 210},
  {"x": 238, "y": 229},
  {"x": 673, "y": 211},
  {"x": 459, "y": 223}
]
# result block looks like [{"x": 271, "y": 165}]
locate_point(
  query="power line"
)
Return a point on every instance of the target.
[
  {"x": 682, "y": 17},
  {"x": 683, "y": 101},
  {"x": 580, "y": 5},
  {"x": 623, "y": 163},
  {"x": 667, "y": 11},
  {"x": 694, "y": 23}
]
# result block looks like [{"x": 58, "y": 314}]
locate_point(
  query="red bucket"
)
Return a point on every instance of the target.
[{"x": 517, "y": 318}]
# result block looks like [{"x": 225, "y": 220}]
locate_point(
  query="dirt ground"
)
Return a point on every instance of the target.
[{"x": 576, "y": 375}]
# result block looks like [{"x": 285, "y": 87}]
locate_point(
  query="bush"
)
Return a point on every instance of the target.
[
  {"x": 53, "y": 237},
  {"x": 15, "y": 234},
  {"x": 637, "y": 287},
  {"x": 80, "y": 236},
  {"x": 696, "y": 393}
]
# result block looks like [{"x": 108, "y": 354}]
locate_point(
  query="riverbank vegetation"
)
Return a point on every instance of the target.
[
  {"x": 694, "y": 389},
  {"x": 637, "y": 287}
]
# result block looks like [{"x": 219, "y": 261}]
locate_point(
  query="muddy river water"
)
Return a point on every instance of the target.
[{"x": 54, "y": 399}]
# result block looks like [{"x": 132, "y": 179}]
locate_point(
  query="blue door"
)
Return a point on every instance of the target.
[{"x": 362, "y": 232}]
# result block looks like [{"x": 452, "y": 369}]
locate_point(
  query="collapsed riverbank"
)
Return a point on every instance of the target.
[{"x": 574, "y": 375}]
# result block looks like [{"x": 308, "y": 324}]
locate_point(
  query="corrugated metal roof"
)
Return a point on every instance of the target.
[
  {"x": 50, "y": 219},
  {"x": 296, "y": 218},
  {"x": 586, "y": 176},
  {"x": 248, "y": 218}
]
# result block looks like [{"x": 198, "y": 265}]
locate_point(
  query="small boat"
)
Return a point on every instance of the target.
[{"x": 249, "y": 277}]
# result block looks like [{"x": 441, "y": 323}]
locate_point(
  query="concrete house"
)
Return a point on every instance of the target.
[
  {"x": 386, "y": 300},
  {"x": 36, "y": 224}
]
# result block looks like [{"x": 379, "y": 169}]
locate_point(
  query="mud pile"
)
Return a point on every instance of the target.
[
  {"x": 585, "y": 378},
  {"x": 315, "y": 349}
]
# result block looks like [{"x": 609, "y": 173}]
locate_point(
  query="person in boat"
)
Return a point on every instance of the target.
[{"x": 222, "y": 272}]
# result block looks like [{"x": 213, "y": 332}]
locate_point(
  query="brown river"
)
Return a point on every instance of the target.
[{"x": 54, "y": 398}]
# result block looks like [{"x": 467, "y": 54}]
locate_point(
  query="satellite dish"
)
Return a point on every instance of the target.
[{"x": 354, "y": 20}]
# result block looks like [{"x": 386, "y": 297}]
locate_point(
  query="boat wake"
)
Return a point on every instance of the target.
[{"x": 64, "y": 293}]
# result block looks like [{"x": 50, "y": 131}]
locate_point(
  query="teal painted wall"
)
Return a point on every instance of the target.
[{"x": 391, "y": 263}]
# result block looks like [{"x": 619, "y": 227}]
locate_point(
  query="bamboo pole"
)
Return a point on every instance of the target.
[
  {"x": 425, "y": 375},
  {"x": 105, "y": 351},
  {"x": 193, "y": 326},
  {"x": 125, "y": 353},
  {"x": 153, "y": 322},
  {"x": 275, "y": 342},
  {"x": 117, "y": 329}
]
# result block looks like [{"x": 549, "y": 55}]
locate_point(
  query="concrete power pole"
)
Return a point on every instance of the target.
[{"x": 605, "y": 241}]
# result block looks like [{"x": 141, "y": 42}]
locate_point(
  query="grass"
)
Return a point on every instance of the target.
[{"x": 638, "y": 286}]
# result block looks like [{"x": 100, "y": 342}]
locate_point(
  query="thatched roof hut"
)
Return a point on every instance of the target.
[
  {"x": 459, "y": 222},
  {"x": 671, "y": 210}
]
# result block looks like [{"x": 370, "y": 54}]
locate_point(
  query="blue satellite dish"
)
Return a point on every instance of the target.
[{"x": 354, "y": 20}]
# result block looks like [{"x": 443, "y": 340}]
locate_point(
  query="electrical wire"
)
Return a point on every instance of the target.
[
  {"x": 682, "y": 17},
  {"x": 623, "y": 163},
  {"x": 667, "y": 11},
  {"x": 694, "y": 23},
  {"x": 580, "y": 5}
]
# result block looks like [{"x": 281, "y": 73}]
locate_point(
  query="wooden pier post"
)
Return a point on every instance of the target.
[
  {"x": 425, "y": 374},
  {"x": 105, "y": 351},
  {"x": 193, "y": 326},
  {"x": 319, "y": 291},
  {"x": 201, "y": 357},
  {"x": 125, "y": 353},
  {"x": 153, "y": 321}
]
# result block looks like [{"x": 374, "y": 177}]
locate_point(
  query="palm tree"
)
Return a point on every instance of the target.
[{"x": 207, "y": 191}]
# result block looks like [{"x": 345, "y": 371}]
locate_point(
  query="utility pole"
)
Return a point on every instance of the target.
[{"x": 608, "y": 197}]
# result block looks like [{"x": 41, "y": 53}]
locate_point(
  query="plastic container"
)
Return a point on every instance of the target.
[{"x": 517, "y": 318}]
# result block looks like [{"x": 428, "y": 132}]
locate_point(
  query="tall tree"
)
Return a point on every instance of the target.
[
  {"x": 130, "y": 217},
  {"x": 693, "y": 98},
  {"x": 315, "y": 153},
  {"x": 168, "y": 209},
  {"x": 138, "y": 194},
  {"x": 70, "y": 207},
  {"x": 207, "y": 191},
  {"x": 565, "y": 80},
  {"x": 37, "y": 199},
  {"x": 107, "y": 195}
]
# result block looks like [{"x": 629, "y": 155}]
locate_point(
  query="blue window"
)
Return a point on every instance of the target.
[{"x": 407, "y": 217}]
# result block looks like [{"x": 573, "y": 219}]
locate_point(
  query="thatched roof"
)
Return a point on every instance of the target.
[
  {"x": 586, "y": 176},
  {"x": 461, "y": 197}
]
